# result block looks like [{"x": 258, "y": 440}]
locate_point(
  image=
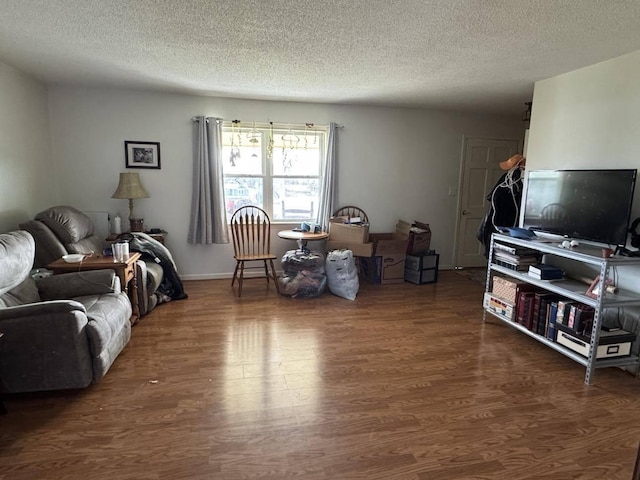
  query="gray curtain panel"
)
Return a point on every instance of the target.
[
  {"x": 208, "y": 222},
  {"x": 328, "y": 189}
]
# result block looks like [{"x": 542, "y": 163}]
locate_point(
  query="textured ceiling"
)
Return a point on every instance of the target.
[{"x": 468, "y": 55}]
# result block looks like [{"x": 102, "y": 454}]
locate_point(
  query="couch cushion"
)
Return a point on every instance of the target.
[
  {"x": 68, "y": 223},
  {"x": 108, "y": 328},
  {"x": 154, "y": 275},
  {"x": 26, "y": 292},
  {"x": 105, "y": 313},
  {"x": 90, "y": 244},
  {"x": 17, "y": 251}
]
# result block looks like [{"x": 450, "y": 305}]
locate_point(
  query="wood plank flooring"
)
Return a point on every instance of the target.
[{"x": 404, "y": 383}]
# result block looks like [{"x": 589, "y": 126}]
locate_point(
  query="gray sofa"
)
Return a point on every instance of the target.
[
  {"x": 59, "y": 332},
  {"x": 64, "y": 229}
]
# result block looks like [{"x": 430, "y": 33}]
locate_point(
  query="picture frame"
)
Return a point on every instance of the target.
[
  {"x": 594, "y": 289},
  {"x": 141, "y": 154}
]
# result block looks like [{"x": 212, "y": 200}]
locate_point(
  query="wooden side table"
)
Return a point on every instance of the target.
[
  {"x": 302, "y": 237},
  {"x": 158, "y": 236},
  {"x": 126, "y": 271}
]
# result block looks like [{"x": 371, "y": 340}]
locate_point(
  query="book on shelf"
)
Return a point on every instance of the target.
[
  {"x": 545, "y": 272},
  {"x": 514, "y": 250},
  {"x": 533, "y": 321},
  {"x": 580, "y": 317},
  {"x": 550, "y": 332},
  {"x": 511, "y": 266},
  {"x": 562, "y": 315},
  {"x": 540, "y": 315},
  {"x": 523, "y": 307},
  {"x": 550, "y": 278},
  {"x": 515, "y": 259}
]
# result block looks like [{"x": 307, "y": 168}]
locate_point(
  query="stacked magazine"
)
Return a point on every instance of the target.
[{"x": 515, "y": 258}]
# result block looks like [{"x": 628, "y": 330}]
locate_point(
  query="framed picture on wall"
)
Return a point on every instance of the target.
[{"x": 142, "y": 154}]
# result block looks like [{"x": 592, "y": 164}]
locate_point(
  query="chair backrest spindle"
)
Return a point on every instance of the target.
[
  {"x": 352, "y": 212},
  {"x": 251, "y": 231}
]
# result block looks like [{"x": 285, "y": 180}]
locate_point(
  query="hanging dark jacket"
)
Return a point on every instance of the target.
[
  {"x": 151, "y": 249},
  {"x": 504, "y": 207}
]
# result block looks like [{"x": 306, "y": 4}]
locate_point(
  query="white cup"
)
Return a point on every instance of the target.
[
  {"x": 125, "y": 251},
  {"x": 116, "y": 248}
]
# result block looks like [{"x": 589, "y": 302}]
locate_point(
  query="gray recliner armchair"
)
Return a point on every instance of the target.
[
  {"x": 63, "y": 229},
  {"x": 62, "y": 331}
]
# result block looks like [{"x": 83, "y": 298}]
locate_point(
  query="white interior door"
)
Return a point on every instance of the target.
[{"x": 480, "y": 172}]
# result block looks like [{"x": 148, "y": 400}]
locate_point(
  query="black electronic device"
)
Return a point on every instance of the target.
[
  {"x": 592, "y": 205},
  {"x": 625, "y": 252},
  {"x": 635, "y": 237}
]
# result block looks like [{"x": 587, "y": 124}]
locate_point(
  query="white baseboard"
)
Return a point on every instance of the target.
[
  {"x": 223, "y": 276},
  {"x": 229, "y": 275}
]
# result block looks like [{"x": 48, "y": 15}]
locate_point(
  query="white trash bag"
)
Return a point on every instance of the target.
[{"x": 342, "y": 274}]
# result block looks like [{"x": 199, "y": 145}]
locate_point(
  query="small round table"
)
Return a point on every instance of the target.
[{"x": 302, "y": 237}]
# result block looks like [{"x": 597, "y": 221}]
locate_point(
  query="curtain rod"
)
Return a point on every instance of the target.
[{"x": 266, "y": 124}]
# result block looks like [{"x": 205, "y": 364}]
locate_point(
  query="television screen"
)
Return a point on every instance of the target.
[{"x": 592, "y": 205}]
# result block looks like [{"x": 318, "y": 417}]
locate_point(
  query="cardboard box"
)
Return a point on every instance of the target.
[
  {"x": 384, "y": 269},
  {"x": 392, "y": 251},
  {"x": 392, "y": 268},
  {"x": 418, "y": 243},
  {"x": 418, "y": 236},
  {"x": 358, "y": 249},
  {"x": 387, "y": 243},
  {"x": 507, "y": 289},
  {"x": 340, "y": 232}
]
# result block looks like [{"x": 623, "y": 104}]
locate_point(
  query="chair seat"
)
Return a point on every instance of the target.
[{"x": 248, "y": 258}]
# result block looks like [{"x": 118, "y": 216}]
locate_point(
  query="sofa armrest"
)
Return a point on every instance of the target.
[
  {"x": 53, "y": 307},
  {"x": 44, "y": 347},
  {"x": 76, "y": 284}
]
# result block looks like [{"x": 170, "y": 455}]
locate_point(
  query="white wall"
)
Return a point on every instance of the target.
[
  {"x": 394, "y": 163},
  {"x": 588, "y": 118},
  {"x": 27, "y": 182}
]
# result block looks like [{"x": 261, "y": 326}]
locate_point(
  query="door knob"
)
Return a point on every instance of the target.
[{"x": 465, "y": 212}]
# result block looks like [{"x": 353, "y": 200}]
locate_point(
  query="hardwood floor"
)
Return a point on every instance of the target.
[{"x": 404, "y": 383}]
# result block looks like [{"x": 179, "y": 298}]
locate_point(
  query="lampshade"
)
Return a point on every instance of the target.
[{"x": 130, "y": 187}]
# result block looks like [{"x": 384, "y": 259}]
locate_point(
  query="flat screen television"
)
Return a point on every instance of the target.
[{"x": 592, "y": 205}]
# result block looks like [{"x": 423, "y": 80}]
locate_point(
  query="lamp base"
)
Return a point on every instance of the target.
[{"x": 136, "y": 224}]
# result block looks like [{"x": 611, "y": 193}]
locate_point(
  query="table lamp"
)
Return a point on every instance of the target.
[{"x": 130, "y": 188}]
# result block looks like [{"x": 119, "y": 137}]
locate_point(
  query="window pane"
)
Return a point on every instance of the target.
[
  {"x": 241, "y": 153},
  {"x": 241, "y": 191},
  {"x": 296, "y": 154},
  {"x": 295, "y": 198}
]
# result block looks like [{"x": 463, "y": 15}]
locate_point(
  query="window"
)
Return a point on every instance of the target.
[{"x": 274, "y": 167}]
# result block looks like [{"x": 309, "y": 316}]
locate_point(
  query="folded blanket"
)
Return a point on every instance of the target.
[{"x": 151, "y": 249}]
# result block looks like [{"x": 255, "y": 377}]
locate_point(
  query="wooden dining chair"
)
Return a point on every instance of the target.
[
  {"x": 251, "y": 232},
  {"x": 352, "y": 212}
]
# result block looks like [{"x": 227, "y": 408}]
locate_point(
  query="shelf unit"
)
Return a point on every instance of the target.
[{"x": 573, "y": 290}]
